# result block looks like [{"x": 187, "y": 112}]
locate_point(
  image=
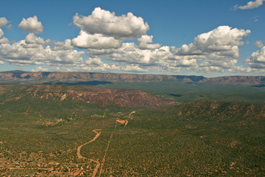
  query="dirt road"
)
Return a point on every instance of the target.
[
  {"x": 125, "y": 122},
  {"x": 103, "y": 161},
  {"x": 81, "y": 157},
  {"x": 132, "y": 113},
  {"x": 79, "y": 148}
]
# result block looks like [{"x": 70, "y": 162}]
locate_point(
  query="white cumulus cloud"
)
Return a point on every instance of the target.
[
  {"x": 1, "y": 32},
  {"x": 218, "y": 47},
  {"x": 31, "y": 24},
  {"x": 144, "y": 43},
  {"x": 3, "y": 21},
  {"x": 102, "y": 34},
  {"x": 4, "y": 40},
  {"x": 257, "y": 59},
  {"x": 95, "y": 41},
  {"x": 96, "y": 64},
  {"x": 18, "y": 54},
  {"x": 105, "y": 22},
  {"x": 259, "y": 44},
  {"x": 250, "y": 5},
  {"x": 133, "y": 68},
  {"x": 31, "y": 38},
  {"x": 223, "y": 38},
  {"x": 66, "y": 45},
  {"x": 130, "y": 54}
]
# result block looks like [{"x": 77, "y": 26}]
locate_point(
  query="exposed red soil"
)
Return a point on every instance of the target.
[{"x": 121, "y": 98}]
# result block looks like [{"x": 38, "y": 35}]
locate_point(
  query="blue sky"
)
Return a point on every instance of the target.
[{"x": 209, "y": 37}]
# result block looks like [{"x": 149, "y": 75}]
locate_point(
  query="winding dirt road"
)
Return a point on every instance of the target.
[
  {"x": 97, "y": 135},
  {"x": 81, "y": 157}
]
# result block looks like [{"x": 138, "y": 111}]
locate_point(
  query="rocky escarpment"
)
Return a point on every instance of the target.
[
  {"x": 121, "y": 98},
  {"x": 237, "y": 80},
  {"x": 82, "y": 77},
  {"x": 88, "y": 94},
  {"x": 53, "y": 77}
]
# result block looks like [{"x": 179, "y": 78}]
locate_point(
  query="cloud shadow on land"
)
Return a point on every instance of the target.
[
  {"x": 175, "y": 95},
  {"x": 260, "y": 85}
]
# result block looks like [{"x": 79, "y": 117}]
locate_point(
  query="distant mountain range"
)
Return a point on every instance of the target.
[{"x": 70, "y": 78}]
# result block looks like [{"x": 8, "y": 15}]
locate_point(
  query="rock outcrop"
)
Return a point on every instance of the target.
[{"x": 88, "y": 94}]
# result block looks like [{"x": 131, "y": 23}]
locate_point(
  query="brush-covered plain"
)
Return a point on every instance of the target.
[{"x": 204, "y": 137}]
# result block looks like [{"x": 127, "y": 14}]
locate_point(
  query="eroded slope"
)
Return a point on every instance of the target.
[{"x": 102, "y": 96}]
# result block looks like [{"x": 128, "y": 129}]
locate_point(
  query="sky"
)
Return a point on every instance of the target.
[{"x": 197, "y": 37}]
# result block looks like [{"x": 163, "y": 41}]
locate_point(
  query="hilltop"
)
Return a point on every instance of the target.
[{"x": 88, "y": 94}]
